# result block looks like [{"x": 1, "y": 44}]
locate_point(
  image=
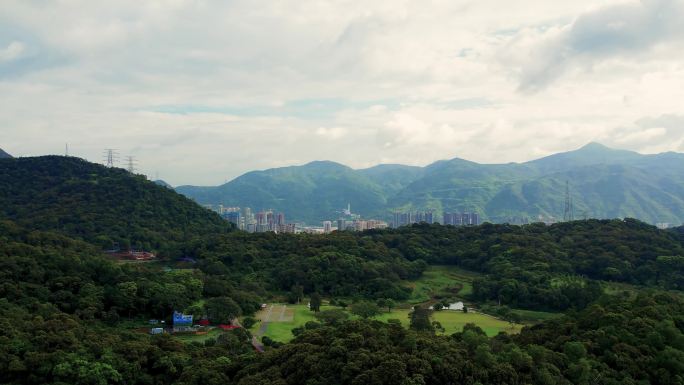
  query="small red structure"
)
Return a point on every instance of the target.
[
  {"x": 203, "y": 322},
  {"x": 131, "y": 255},
  {"x": 228, "y": 327}
]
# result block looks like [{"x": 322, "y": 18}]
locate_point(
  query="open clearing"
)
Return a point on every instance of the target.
[
  {"x": 452, "y": 321},
  {"x": 442, "y": 281}
]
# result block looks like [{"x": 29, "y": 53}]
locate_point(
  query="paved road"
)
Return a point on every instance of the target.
[{"x": 258, "y": 346}]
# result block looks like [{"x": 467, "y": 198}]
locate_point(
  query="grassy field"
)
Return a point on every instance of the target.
[
  {"x": 453, "y": 321},
  {"x": 442, "y": 281},
  {"x": 282, "y": 331}
]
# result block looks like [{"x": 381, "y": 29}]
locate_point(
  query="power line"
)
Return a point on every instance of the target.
[
  {"x": 131, "y": 162},
  {"x": 111, "y": 156},
  {"x": 568, "y": 213}
]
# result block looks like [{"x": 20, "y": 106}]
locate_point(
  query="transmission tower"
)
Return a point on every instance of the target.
[
  {"x": 568, "y": 213},
  {"x": 130, "y": 164},
  {"x": 111, "y": 156}
]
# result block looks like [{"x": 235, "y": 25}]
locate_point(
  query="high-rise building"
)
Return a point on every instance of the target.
[
  {"x": 341, "y": 225},
  {"x": 232, "y": 217},
  {"x": 461, "y": 219},
  {"x": 327, "y": 227}
]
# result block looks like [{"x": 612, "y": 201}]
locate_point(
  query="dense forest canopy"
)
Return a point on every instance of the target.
[
  {"x": 103, "y": 206},
  {"x": 65, "y": 306}
]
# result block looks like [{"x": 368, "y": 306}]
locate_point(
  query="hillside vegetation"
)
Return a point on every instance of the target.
[
  {"x": 70, "y": 315},
  {"x": 604, "y": 183},
  {"x": 100, "y": 205}
]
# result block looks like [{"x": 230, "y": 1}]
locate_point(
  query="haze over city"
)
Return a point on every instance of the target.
[{"x": 203, "y": 91}]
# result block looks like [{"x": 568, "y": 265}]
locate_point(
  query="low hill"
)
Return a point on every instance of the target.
[
  {"x": 304, "y": 192},
  {"x": 604, "y": 183},
  {"x": 100, "y": 205},
  {"x": 3, "y": 154}
]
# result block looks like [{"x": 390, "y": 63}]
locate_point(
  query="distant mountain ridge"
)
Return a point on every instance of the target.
[
  {"x": 4, "y": 155},
  {"x": 604, "y": 183}
]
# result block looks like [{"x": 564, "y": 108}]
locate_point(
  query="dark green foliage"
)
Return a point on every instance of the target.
[
  {"x": 344, "y": 264},
  {"x": 548, "y": 267},
  {"x": 222, "y": 310},
  {"x": 420, "y": 319},
  {"x": 620, "y": 341},
  {"x": 100, "y": 205},
  {"x": 315, "y": 302},
  {"x": 365, "y": 309},
  {"x": 332, "y": 317}
]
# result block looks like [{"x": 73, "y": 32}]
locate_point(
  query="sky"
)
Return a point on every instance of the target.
[{"x": 201, "y": 91}]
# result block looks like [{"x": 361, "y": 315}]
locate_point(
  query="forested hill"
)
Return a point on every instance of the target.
[
  {"x": 99, "y": 205},
  {"x": 604, "y": 183}
]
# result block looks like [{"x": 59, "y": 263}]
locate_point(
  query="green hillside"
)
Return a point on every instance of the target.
[
  {"x": 604, "y": 183},
  {"x": 99, "y": 205},
  {"x": 311, "y": 193}
]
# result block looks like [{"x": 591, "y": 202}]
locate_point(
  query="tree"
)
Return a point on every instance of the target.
[
  {"x": 332, "y": 317},
  {"x": 296, "y": 293},
  {"x": 438, "y": 326},
  {"x": 222, "y": 309},
  {"x": 386, "y": 302},
  {"x": 389, "y": 303},
  {"x": 315, "y": 302},
  {"x": 420, "y": 319},
  {"x": 365, "y": 309}
]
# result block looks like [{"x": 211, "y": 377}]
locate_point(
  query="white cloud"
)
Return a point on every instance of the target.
[
  {"x": 633, "y": 31},
  {"x": 203, "y": 90},
  {"x": 12, "y": 52}
]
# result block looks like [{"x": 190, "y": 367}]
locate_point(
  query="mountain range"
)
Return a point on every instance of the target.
[
  {"x": 603, "y": 183},
  {"x": 3, "y": 154}
]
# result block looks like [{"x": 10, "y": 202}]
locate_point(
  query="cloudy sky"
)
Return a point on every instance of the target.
[{"x": 202, "y": 91}]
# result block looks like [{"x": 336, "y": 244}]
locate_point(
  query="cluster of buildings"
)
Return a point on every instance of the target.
[
  {"x": 269, "y": 220},
  {"x": 354, "y": 225},
  {"x": 461, "y": 219},
  {"x": 448, "y": 218},
  {"x": 260, "y": 222}
]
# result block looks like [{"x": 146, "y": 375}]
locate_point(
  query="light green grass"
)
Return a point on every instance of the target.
[
  {"x": 442, "y": 281},
  {"x": 282, "y": 331},
  {"x": 453, "y": 321}
]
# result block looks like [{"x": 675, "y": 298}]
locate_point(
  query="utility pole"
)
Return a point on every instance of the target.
[
  {"x": 130, "y": 164},
  {"x": 66, "y": 149},
  {"x": 111, "y": 156},
  {"x": 568, "y": 214}
]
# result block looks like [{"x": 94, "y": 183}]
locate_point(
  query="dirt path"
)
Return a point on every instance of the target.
[{"x": 264, "y": 323}]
